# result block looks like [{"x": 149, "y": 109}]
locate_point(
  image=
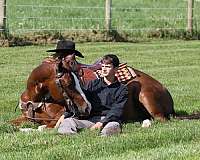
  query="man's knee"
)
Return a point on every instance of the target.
[
  {"x": 111, "y": 128},
  {"x": 68, "y": 126}
]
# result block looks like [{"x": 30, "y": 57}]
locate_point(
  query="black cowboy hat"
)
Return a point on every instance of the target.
[{"x": 64, "y": 46}]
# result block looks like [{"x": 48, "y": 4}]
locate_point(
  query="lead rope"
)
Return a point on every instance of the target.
[
  {"x": 66, "y": 98},
  {"x": 16, "y": 106}
]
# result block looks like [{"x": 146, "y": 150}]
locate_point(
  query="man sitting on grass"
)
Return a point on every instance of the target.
[{"x": 107, "y": 96}]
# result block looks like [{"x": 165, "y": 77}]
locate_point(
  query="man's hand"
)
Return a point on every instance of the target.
[
  {"x": 98, "y": 125},
  {"x": 59, "y": 121}
]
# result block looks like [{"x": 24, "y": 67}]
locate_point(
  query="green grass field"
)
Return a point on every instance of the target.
[
  {"x": 173, "y": 63},
  {"x": 38, "y": 15}
]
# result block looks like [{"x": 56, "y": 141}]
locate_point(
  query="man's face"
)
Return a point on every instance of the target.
[{"x": 108, "y": 70}]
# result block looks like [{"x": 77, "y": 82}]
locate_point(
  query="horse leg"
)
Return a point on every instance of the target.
[
  {"x": 49, "y": 114},
  {"x": 52, "y": 123},
  {"x": 18, "y": 121},
  {"x": 152, "y": 105}
]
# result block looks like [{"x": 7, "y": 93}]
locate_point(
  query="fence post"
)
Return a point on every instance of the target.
[
  {"x": 3, "y": 15},
  {"x": 108, "y": 4},
  {"x": 190, "y": 15}
]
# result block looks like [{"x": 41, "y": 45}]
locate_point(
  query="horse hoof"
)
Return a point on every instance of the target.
[
  {"x": 26, "y": 130},
  {"x": 146, "y": 123},
  {"x": 41, "y": 128}
]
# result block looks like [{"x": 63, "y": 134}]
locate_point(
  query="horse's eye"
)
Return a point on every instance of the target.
[{"x": 71, "y": 63}]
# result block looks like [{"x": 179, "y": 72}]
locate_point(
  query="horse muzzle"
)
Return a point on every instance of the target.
[{"x": 85, "y": 110}]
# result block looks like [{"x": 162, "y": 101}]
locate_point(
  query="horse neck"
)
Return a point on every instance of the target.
[{"x": 39, "y": 78}]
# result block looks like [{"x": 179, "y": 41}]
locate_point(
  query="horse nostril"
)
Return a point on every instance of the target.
[
  {"x": 28, "y": 106},
  {"x": 87, "y": 110}
]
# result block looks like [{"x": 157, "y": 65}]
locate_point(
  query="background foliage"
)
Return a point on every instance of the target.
[{"x": 131, "y": 20}]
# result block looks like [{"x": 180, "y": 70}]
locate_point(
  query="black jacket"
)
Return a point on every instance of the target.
[{"x": 107, "y": 100}]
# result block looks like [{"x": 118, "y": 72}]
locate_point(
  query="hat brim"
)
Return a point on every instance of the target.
[{"x": 62, "y": 51}]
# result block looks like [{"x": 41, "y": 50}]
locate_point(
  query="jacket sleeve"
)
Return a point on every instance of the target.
[
  {"x": 117, "y": 107},
  {"x": 88, "y": 89},
  {"x": 89, "y": 86}
]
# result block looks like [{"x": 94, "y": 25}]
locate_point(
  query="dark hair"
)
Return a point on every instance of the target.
[{"x": 111, "y": 58}]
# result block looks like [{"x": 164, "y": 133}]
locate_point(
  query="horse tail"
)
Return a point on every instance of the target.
[{"x": 185, "y": 116}]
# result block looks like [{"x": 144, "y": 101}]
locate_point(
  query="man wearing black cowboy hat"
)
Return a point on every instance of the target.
[
  {"x": 65, "y": 47},
  {"x": 66, "y": 52}
]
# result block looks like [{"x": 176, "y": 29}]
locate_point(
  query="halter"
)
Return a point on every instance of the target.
[
  {"x": 32, "y": 107},
  {"x": 67, "y": 99}
]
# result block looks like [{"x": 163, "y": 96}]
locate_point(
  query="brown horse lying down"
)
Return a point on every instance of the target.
[
  {"x": 147, "y": 98},
  {"x": 44, "y": 102},
  {"x": 49, "y": 93}
]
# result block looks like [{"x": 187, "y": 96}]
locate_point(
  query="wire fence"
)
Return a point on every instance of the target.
[{"x": 33, "y": 18}]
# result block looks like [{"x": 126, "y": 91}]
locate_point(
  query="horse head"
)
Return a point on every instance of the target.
[{"x": 73, "y": 92}]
